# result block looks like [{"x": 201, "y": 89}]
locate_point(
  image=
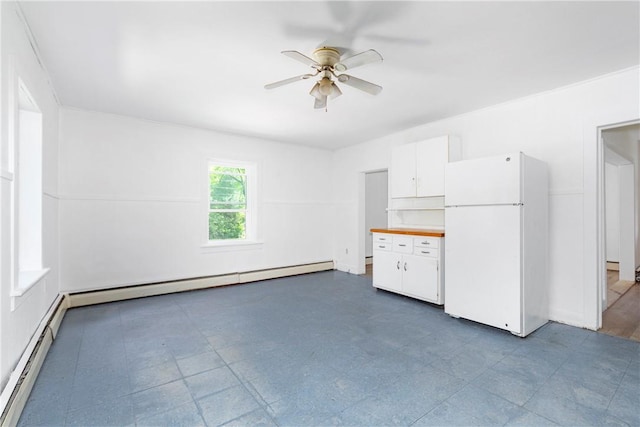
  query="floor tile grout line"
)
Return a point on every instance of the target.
[
  {"x": 537, "y": 390},
  {"x": 193, "y": 398},
  {"x": 436, "y": 405},
  {"x": 499, "y": 397},
  {"x": 629, "y": 362},
  {"x": 126, "y": 357},
  {"x": 428, "y": 412},
  {"x": 75, "y": 369},
  {"x": 226, "y": 365},
  {"x": 240, "y": 416},
  {"x": 181, "y": 379},
  {"x": 242, "y": 382}
]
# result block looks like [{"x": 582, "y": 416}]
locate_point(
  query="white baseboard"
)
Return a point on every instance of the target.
[
  {"x": 347, "y": 268},
  {"x": 138, "y": 291}
]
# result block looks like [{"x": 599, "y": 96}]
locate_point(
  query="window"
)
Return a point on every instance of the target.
[
  {"x": 27, "y": 191},
  {"x": 231, "y": 201}
]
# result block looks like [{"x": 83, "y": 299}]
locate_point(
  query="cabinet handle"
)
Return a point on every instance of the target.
[
  {"x": 381, "y": 246},
  {"x": 405, "y": 266},
  {"x": 426, "y": 242},
  {"x": 398, "y": 265},
  {"x": 426, "y": 252},
  {"x": 402, "y": 245}
]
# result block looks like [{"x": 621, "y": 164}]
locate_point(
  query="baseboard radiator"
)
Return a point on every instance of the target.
[
  {"x": 16, "y": 392},
  {"x": 139, "y": 291}
]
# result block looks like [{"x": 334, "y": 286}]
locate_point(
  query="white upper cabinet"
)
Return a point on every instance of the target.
[
  {"x": 431, "y": 156},
  {"x": 403, "y": 171},
  {"x": 417, "y": 169}
]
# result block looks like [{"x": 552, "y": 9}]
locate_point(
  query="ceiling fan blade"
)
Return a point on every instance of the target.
[
  {"x": 294, "y": 54},
  {"x": 320, "y": 102},
  {"x": 363, "y": 85},
  {"x": 362, "y": 58},
  {"x": 287, "y": 81}
]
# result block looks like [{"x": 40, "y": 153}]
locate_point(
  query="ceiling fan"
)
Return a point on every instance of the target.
[{"x": 329, "y": 67}]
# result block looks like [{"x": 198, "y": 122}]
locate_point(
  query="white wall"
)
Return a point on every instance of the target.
[
  {"x": 376, "y": 200},
  {"x": 612, "y": 211},
  {"x": 19, "y": 316},
  {"x": 134, "y": 196},
  {"x": 558, "y": 127},
  {"x": 627, "y": 223}
]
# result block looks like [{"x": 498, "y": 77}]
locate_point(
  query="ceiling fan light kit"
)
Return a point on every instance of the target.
[{"x": 326, "y": 63}]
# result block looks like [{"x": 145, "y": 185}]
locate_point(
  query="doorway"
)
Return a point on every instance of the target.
[
  {"x": 620, "y": 292},
  {"x": 376, "y": 199}
]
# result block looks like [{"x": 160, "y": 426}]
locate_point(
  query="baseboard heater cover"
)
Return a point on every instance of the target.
[
  {"x": 161, "y": 288},
  {"x": 18, "y": 388}
]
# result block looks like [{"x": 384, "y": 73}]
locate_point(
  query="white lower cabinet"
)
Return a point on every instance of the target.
[
  {"x": 387, "y": 271},
  {"x": 409, "y": 265},
  {"x": 420, "y": 277}
]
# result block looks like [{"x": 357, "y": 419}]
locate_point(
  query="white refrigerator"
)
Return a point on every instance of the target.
[{"x": 496, "y": 230}]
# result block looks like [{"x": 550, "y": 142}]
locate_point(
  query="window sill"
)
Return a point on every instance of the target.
[
  {"x": 27, "y": 279},
  {"x": 237, "y": 245}
]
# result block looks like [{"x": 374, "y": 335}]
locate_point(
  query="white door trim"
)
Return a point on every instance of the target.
[{"x": 601, "y": 262}]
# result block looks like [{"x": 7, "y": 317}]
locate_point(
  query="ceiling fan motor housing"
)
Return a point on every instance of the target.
[{"x": 326, "y": 56}]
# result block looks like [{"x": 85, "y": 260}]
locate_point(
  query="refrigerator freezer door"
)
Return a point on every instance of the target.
[
  {"x": 483, "y": 265},
  {"x": 486, "y": 181}
]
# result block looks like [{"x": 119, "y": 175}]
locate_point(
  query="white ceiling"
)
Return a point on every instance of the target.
[{"x": 204, "y": 64}]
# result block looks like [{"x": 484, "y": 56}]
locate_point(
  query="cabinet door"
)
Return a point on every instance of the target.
[
  {"x": 420, "y": 277},
  {"x": 387, "y": 270},
  {"x": 403, "y": 171},
  {"x": 431, "y": 157}
]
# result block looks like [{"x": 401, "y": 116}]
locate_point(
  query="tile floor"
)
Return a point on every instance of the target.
[{"x": 323, "y": 349}]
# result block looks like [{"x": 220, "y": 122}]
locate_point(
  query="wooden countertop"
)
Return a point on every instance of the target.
[{"x": 410, "y": 231}]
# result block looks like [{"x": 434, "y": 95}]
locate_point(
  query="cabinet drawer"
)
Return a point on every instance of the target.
[
  {"x": 428, "y": 252},
  {"x": 426, "y": 242},
  {"x": 382, "y": 238},
  {"x": 403, "y": 245},
  {"x": 382, "y": 246}
]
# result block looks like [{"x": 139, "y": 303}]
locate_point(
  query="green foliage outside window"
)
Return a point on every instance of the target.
[{"x": 227, "y": 202}]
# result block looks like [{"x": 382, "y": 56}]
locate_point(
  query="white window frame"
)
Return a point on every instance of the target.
[
  {"x": 251, "y": 234},
  {"x": 27, "y": 267}
]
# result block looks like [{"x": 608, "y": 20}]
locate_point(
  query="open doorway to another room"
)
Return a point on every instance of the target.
[
  {"x": 376, "y": 200},
  {"x": 621, "y": 298}
]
